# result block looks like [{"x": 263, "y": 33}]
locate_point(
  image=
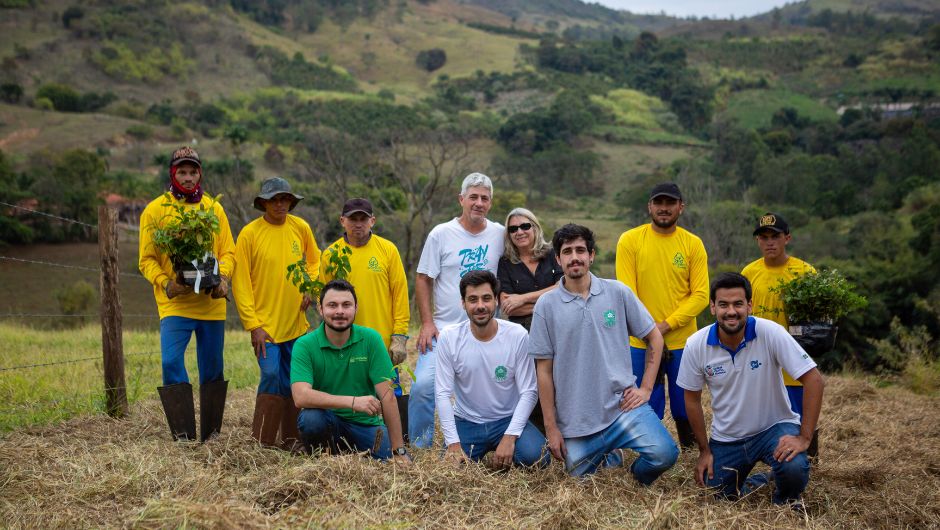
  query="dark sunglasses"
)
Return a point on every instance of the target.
[{"x": 523, "y": 226}]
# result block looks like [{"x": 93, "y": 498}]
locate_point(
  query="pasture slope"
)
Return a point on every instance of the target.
[{"x": 879, "y": 468}]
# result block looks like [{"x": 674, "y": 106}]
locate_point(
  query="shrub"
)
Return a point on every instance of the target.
[
  {"x": 76, "y": 299},
  {"x": 70, "y": 14},
  {"x": 63, "y": 97},
  {"x": 432, "y": 59},
  {"x": 43, "y": 104},
  {"x": 11, "y": 92}
]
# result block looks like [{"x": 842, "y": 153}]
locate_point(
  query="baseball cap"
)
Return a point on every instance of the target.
[
  {"x": 357, "y": 205},
  {"x": 669, "y": 189},
  {"x": 185, "y": 154},
  {"x": 772, "y": 221}
]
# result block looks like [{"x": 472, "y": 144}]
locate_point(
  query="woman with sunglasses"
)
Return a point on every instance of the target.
[{"x": 527, "y": 269}]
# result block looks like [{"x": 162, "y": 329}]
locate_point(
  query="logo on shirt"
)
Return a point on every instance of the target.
[
  {"x": 678, "y": 261},
  {"x": 473, "y": 259},
  {"x": 755, "y": 364},
  {"x": 359, "y": 359},
  {"x": 500, "y": 373},
  {"x": 374, "y": 265},
  {"x": 609, "y": 318},
  {"x": 711, "y": 370},
  {"x": 295, "y": 248}
]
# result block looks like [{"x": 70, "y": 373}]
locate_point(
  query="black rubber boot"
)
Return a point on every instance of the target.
[
  {"x": 179, "y": 409},
  {"x": 684, "y": 430},
  {"x": 211, "y": 407}
]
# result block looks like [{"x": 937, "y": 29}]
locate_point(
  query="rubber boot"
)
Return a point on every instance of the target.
[
  {"x": 813, "y": 450},
  {"x": 179, "y": 409},
  {"x": 684, "y": 430},
  {"x": 290, "y": 435},
  {"x": 211, "y": 408},
  {"x": 403, "y": 415},
  {"x": 269, "y": 409}
]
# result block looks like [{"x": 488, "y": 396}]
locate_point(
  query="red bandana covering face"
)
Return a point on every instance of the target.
[{"x": 179, "y": 192}]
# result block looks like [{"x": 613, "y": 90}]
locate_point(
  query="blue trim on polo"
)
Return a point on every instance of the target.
[{"x": 750, "y": 333}]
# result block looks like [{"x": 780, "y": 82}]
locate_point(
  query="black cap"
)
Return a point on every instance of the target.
[
  {"x": 357, "y": 205},
  {"x": 185, "y": 154},
  {"x": 772, "y": 221},
  {"x": 669, "y": 189}
]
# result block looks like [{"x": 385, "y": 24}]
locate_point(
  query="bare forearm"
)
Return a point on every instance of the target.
[
  {"x": 813, "y": 384},
  {"x": 423, "y": 288},
  {"x": 306, "y": 397},
  {"x": 693, "y": 409},
  {"x": 543, "y": 372},
  {"x": 654, "y": 355}
]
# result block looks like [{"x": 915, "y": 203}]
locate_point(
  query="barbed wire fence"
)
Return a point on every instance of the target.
[{"x": 112, "y": 359}]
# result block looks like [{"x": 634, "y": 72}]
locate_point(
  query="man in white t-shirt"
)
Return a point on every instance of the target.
[
  {"x": 483, "y": 364},
  {"x": 466, "y": 243},
  {"x": 740, "y": 358}
]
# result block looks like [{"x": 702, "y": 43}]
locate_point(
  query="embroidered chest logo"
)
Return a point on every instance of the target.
[
  {"x": 678, "y": 261},
  {"x": 359, "y": 359},
  {"x": 473, "y": 259},
  {"x": 295, "y": 248},
  {"x": 374, "y": 265},
  {"x": 755, "y": 364},
  {"x": 711, "y": 370},
  {"x": 610, "y": 318},
  {"x": 500, "y": 373}
]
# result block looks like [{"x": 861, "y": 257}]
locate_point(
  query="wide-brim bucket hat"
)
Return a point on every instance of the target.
[{"x": 272, "y": 187}]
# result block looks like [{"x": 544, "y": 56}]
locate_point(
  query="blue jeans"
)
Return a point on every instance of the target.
[
  {"x": 477, "y": 439},
  {"x": 638, "y": 429},
  {"x": 421, "y": 402},
  {"x": 324, "y": 429},
  {"x": 175, "y": 333},
  {"x": 733, "y": 461},
  {"x": 795, "y": 394},
  {"x": 275, "y": 368},
  {"x": 658, "y": 397}
]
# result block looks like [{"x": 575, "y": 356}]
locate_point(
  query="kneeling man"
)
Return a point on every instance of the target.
[
  {"x": 739, "y": 358},
  {"x": 580, "y": 339},
  {"x": 483, "y": 363},
  {"x": 336, "y": 373}
]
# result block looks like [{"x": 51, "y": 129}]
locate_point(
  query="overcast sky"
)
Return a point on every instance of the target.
[{"x": 701, "y": 8}]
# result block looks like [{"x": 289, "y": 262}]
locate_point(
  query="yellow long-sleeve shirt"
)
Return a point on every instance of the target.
[
  {"x": 766, "y": 304},
  {"x": 264, "y": 295},
  {"x": 669, "y": 273},
  {"x": 158, "y": 269},
  {"x": 381, "y": 286}
]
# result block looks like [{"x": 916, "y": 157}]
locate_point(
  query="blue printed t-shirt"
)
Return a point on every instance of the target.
[{"x": 352, "y": 370}]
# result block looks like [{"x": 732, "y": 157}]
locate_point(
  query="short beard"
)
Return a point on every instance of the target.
[
  {"x": 337, "y": 329},
  {"x": 661, "y": 224},
  {"x": 484, "y": 324},
  {"x": 732, "y": 331}
]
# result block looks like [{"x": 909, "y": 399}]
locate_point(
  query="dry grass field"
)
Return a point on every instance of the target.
[{"x": 879, "y": 468}]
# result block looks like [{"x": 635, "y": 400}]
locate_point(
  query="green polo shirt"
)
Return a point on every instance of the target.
[{"x": 352, "y": 370}]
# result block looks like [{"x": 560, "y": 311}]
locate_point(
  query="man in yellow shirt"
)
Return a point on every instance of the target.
[
  {"x": 183, "y": 311},
  {"x": 667, "y": 267},
  {"x": 271, "y": 308},
  {"x": 377, "y": 273},
  {"x": 773, "y": 235}
]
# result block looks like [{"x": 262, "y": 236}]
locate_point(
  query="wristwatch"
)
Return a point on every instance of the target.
[{"x": 401, "y": 451}]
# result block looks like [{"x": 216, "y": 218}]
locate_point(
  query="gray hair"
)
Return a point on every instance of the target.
[
  {"x": 540, "y": 247},
  {"x": 474, "y": 180}
]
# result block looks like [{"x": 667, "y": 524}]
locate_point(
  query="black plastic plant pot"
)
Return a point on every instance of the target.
[
  {"x": 817, "y": 338},
  {"x": 186, "y": 274}
]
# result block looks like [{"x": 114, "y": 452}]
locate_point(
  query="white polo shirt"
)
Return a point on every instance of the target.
[{"x": 748, "y": 396}]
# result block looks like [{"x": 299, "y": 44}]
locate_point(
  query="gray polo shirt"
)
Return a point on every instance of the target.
[
  {"x": 589, "y": 343},
  {"x": 748, "y": 395}
]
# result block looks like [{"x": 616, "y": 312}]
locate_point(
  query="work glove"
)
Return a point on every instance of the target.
[
  {"x": 221, "y": 290},
  {"x": 174, "y": 289},
  {"x": 399, "y": 349}
]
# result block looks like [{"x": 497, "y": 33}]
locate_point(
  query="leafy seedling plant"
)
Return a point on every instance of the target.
[
  {"x": 188, "y": 237},
  {"x": 338, "y": 267},
  {"x": 825, "y": 296}
]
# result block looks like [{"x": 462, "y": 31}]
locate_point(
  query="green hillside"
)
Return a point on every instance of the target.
[{"x": 826, "y": 111}]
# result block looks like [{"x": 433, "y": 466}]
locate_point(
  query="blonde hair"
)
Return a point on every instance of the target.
[{"x": 540, "y": 247}]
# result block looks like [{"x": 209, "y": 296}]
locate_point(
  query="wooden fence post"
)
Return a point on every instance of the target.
[{"x": 112, "y": 344}]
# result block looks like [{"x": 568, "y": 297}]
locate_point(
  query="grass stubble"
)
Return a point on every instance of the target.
[{"x": 880, "y": 467}]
